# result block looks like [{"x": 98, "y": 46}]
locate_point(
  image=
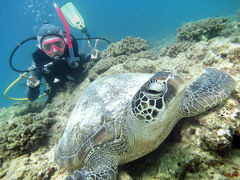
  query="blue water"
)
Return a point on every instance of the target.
[{"x": 112, "y": 19}]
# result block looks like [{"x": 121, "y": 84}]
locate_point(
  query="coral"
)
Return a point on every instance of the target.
[
  {"x": 232, "y": 28},
  {"x": 21, "y": 128},
  {"x": 20, "y": 109},
  {"x": 234, "y": 53},
  {"x": 174, "y": 49},
  {"x": 150, "y": 55},
  {"x": 201, "y": 30},
  {"x": 6, "y": 114},
  {"x": 35, "y": 167},
  {"x": 136, "y": 64},
  {"x": 217, "y": 140},
  {"x": 197, "y": 51},
  {"x": 220, "y": 127},
  {"x": 23, "y": 134},
  {"x": 118, "y": 53},
  {"x": 105, "y": 64},
  {"x": 125, "y": 47},
  {"x": 29, "y": 107},
  {"x": 108, "y": 62},
  {"x": 173, "y": 165},
  {"x": 201, "y": 147}
]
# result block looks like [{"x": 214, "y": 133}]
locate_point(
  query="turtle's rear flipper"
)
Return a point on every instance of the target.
[{"x": 209, "y": 90}]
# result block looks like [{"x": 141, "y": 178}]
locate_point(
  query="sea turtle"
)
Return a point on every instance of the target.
[{"x": 122, "y": 117}]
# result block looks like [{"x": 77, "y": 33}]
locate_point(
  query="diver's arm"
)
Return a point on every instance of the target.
[{"x": 33, "y": 83}]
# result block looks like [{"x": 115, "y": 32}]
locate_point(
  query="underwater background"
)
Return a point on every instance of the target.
[
  {"x": 184, "y": 37},
  {"x": 114, "y": 20}
]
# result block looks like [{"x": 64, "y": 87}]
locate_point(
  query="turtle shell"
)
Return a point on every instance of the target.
[{"x": 98, "y": 117}]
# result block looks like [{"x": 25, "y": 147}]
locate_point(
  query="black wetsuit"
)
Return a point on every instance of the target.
[{"x": 57, "y": 73}]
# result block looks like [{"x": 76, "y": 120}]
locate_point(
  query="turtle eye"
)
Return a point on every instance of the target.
[
  {"x": 156, "y": 88},
  {"x": 152, "y": 91}
]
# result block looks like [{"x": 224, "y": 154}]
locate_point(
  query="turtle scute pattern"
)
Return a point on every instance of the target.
[
  {"x": 147, "y": 116},
  {"x": 154, "y": 95}
]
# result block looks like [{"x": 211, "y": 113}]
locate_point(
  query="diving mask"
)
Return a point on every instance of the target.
[{"x": 53, "y": 44}]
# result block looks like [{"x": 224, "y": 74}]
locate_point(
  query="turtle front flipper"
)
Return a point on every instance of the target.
[
  {"x": 209, "y": 90},
  {"x": 79, "y": 175},
  {"x": 100, "y": 164},
  {"x": 88, "y": 174}
]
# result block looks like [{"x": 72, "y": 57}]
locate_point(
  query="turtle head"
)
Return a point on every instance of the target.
[{"x": 155, "y": 95}]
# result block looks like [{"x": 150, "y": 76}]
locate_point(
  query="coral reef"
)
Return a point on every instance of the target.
[
  {"x": 19, "y": 109},
  {"x": 118, "y": 53},
  {"x": 22, "y": 128},
  {"x": 221, "y": 127},
  {"x": 202, "y": 30},
  {"x": 174, "y": 49},
  {"x": 202, "y": 147},
  {"x": 23, "y": 134},
  {"x": 33, "y": 107},
  {"x": 125, "y": 47},
  {"x": 234, "y": 54}
]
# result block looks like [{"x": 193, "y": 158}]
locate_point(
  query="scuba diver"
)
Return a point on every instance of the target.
[
  {"x": 52, "y": 62},
  {"x": 57, "y": 58}
]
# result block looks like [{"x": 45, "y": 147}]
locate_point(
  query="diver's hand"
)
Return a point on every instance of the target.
[
  {"x": 73, "y": 62},
  {"x": 95, "y": 53},
  {"x": 33, "y": 82}
]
